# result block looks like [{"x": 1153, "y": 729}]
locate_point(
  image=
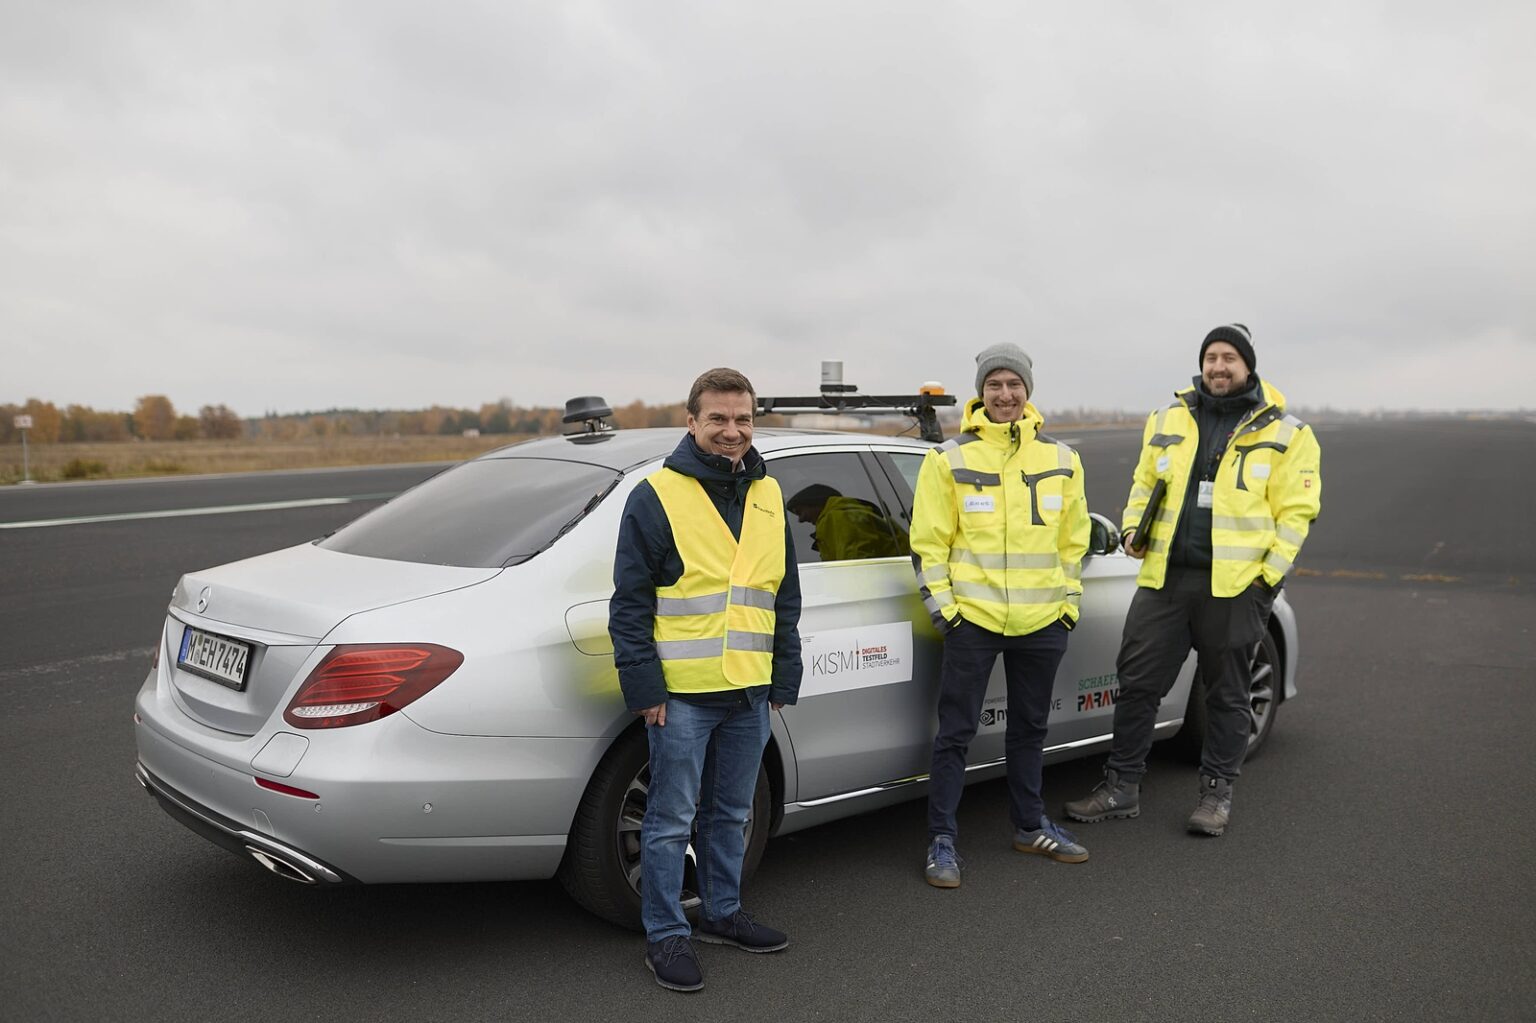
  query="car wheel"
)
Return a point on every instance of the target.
[
  {"x": 1263, "y": 703},
  {"x": 601, "y": 867}
]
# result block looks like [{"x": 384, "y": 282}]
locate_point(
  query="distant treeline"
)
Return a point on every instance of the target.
[
  {"x": 502, "y": 417},
  {"x": 155, "y": 418}
]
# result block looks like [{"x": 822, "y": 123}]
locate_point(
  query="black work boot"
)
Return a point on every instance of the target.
[
  {"x": 1210, "y": 816},
  {"x": 1112, "y": 797}
]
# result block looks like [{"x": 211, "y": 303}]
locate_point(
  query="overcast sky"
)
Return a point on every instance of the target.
[{"x": 294, "y": 206}]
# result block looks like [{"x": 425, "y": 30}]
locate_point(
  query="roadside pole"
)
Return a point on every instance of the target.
[{"x": 24, "y": 423}]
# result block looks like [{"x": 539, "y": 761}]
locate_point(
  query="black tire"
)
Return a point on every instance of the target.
[
  {"x": 1264, "y": 703},
  {"x": 601, "y": 867}
]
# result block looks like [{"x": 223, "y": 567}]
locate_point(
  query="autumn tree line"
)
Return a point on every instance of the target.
[{"x": 155, "y": 418}]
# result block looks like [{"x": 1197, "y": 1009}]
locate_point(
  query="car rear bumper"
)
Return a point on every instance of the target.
[
  {"x": 383, "y": 802},
  {"x": 281, "y": 859}
]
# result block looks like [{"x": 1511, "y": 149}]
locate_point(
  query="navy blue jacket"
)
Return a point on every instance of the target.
[{"x": 647, "y": 558}]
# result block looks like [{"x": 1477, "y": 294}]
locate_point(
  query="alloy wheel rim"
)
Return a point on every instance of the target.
[{"x": 1261, "y": 697}]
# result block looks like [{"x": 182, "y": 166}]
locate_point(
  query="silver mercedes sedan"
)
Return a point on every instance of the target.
[{"x": 428, "y": 694}]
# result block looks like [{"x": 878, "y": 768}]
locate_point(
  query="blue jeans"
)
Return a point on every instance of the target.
[{"x": 705, "y": 757}]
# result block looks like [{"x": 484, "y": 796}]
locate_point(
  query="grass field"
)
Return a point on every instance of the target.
[{"x": 53, "y": 462}]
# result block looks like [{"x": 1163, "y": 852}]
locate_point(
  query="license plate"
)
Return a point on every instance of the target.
[{"x": 214, "y": 657}]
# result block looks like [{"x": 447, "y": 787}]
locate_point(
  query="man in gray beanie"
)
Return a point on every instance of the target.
[
  {"x": 1005, "y": 356},
  {"x": 999, "y": 530}
]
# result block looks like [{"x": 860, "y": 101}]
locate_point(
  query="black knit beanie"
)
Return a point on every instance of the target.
[{"x": 1236, "y": 335}]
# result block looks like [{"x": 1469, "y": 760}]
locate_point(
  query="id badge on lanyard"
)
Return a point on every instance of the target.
[{"x": 1206, "y": 498}]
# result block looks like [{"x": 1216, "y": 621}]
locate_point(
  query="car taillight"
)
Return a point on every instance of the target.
[{"x": 358, "y": 683}]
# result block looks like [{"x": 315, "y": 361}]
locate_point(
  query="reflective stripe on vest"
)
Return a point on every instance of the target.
[
  {"x": 961, "y": 556},
  {"x": 714, "y": 626}
]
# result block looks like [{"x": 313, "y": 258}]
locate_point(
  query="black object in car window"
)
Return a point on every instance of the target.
[
  {"x": 835, "y": 514},
  {"x": 483, "y": 514}
]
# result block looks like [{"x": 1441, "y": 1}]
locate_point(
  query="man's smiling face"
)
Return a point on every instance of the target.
[
  {"x": 724, "y": 423},
  {"x": 1223, "y": 370},
  {"x": 1004, "y": 395}
]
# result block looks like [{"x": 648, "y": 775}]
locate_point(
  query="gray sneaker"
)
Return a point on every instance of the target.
[
  {"x": 1210, "y": 816},
  {"x": 943, "y": 870},
  {"x": 1113, "y": 797},
  {"x": 1050, "y": 839}
]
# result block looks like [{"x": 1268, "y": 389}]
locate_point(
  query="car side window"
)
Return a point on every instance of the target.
[
  {"x": 908, "y": 464},
  {"x": 835, "y": 513}
]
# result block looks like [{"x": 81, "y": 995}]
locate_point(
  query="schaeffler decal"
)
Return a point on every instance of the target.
[{"x": 1098, "y": 692}]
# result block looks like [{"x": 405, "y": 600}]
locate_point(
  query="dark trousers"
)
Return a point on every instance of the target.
[
  {"x": 1161, "y": 628},
  {"x": 1029, "y": 662}
]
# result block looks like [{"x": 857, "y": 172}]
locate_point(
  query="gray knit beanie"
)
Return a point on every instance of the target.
[{"x": 1005, "y": 356}]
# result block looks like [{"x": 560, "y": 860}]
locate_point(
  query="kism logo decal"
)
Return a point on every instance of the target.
[
  {"x": 856, "y": 657},
  {"x": 836, "y": 660}
]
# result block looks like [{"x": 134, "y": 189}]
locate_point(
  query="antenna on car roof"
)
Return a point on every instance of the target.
[
  {"x": 592, "y": 412},
  {"x": 837, "y": 398}
]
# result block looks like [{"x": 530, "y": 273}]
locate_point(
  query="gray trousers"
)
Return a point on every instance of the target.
[{"x": 1161, "y": 628}]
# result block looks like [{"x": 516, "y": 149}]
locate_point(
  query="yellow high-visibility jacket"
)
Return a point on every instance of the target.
[
  {"x": 714, "y": 626},
  {"x": 848, "y": 528},
  {"x": 1268, "y": 490},
  {"x": 1000, "y": 526}
]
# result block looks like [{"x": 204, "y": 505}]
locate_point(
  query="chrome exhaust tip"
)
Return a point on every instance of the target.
[{"x": 280, "y": 866}]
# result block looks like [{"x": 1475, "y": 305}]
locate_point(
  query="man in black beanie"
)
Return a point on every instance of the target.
[{"x": 1242, "y": 488}]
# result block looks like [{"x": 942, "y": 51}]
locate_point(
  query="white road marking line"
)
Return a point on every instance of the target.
[
  {"x": 251, "y": 474},
  {"x": 176, "y": 513}
]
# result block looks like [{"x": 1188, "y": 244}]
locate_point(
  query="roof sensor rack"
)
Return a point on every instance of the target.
[{"x": 837, "y": 397}]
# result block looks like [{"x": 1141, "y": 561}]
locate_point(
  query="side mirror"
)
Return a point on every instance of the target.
[{"x": 1104, "y": 537}]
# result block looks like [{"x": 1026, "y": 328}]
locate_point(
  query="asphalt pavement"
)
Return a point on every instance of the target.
[
  {"x": 1378, "y": 867},
  {"x": 90, "y": 588}
]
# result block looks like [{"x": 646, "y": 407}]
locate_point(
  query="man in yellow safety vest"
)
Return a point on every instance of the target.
[
  {"x": 704, "y": 621},
  {"x": 999, "y": 530},
  {"x": 1242, "y": 484}
]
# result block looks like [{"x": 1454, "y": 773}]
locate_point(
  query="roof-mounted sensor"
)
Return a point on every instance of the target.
[{"x": 593, "y": 413}]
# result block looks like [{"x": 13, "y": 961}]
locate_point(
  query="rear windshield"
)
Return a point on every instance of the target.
[{"x": 482, "y": 514}]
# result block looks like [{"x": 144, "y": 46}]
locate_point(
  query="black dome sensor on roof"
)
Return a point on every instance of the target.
[{"x": 592, "y": 412}]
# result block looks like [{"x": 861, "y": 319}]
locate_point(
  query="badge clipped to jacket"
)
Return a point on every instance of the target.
[{"x": 1206, "y": 498}]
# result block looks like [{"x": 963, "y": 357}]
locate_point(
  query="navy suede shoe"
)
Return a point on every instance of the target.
[
  {"x": 741, "y": 930},
  {"x": 674, "y": 963}
]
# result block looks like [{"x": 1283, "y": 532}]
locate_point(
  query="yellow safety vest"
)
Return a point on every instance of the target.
[
  {"x": 1000, "y": 526},
  {"x": 714, "y": 626},
  {"x": 1268, "y": 490}
]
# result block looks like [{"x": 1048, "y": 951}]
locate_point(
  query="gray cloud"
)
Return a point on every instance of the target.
[{"x": 297, "y": 206}]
